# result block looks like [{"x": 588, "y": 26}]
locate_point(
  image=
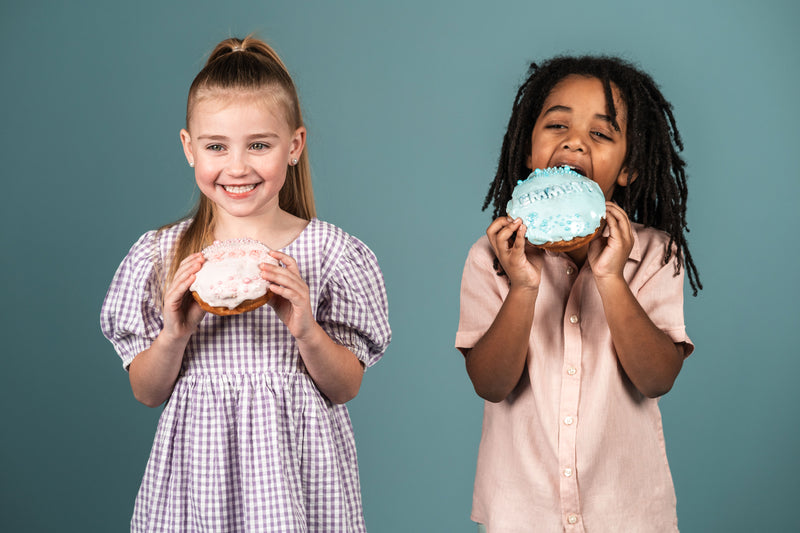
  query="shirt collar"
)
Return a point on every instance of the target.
[{"x": 636, "y": 251}]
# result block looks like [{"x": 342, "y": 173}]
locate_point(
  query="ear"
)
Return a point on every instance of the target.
[
  {"x": 528, "y": 163},
  {"x": 625, "y": 178},
  {"x": 186, "y": 142},
  {"x": 298, "y": 143}
]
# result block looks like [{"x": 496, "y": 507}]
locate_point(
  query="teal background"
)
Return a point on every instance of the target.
[{"x": 406, "y": 104}]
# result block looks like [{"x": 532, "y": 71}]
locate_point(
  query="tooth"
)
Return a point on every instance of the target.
[{"x": 239, "y": 188}]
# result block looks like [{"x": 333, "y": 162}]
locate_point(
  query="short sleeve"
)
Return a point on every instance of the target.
[
  {"x": 130, "y": 316},
  {"x": 353, "y": 308},
  {"x": 482, "y": 294},
  {"x": 661, "y": 297}
]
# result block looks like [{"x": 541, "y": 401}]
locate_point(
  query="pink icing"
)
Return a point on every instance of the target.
[{"x": 231, "y": 274}]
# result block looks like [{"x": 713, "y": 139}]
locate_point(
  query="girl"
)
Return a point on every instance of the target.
[
  {"x": 254, "y": 435},
  {"x": 572, "y": 350}
]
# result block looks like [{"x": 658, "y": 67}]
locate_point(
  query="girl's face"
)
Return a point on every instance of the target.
[
  {"x": 241, "y": 147},
  {"x": 574, "y": 129}
]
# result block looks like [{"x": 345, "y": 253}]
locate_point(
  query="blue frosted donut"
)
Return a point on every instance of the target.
[{"x": 561, "y": 209}]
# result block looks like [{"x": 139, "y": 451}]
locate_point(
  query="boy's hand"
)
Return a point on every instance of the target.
[
  {"x": 523, "y": 269},
  {"x": 607, "y": 255}
]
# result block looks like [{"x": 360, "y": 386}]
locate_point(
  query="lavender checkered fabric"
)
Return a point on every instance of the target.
[{"x": 247, "y": 442}]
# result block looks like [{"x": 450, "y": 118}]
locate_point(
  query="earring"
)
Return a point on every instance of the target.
[
  {"x": 294, "y": 162},
  {"x": 191, "y": 164}
]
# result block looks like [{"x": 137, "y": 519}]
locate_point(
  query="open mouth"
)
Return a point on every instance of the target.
[
  {"x": 238, "y": 189},
  {"x": 579, "y": 170},
  {"x": 574, "y": 168}
]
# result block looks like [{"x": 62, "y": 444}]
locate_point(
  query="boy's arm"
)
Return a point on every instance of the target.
[
  {"x": 649, "y": 356},
  {"x": 496, "y": 362}
]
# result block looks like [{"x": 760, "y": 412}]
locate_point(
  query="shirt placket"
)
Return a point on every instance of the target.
[{"x": 571, "y": 376}]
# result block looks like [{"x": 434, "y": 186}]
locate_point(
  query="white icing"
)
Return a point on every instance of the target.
[
  {"x": 230, "y": 274},
  {"x": 557, "y": 204}
]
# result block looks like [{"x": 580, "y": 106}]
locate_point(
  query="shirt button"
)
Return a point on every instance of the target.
[
  {"x": 570, "y": 270},
  {"x": 567, "y": 472},
  {"x": 572, "y": 371},
  {"x": 573, "y": 319},
  {"x": 569, "y": 420},
  {"x": 572, "y": 519}
]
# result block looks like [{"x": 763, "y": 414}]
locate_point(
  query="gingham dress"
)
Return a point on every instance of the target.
[{"x": 247, "y": 442}]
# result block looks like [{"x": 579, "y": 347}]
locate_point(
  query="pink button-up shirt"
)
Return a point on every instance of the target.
[{"x": 575, "y": 446}]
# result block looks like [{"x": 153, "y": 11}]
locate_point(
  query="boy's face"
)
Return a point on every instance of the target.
[{"x": 574, "y": 129}]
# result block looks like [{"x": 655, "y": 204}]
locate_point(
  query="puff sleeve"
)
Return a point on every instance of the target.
[
  {"x": 130, "y": 316},
  {"x": 353, "y": 309}
]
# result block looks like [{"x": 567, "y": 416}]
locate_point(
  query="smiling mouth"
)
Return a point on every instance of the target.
[{"x": 238, "y": 189}]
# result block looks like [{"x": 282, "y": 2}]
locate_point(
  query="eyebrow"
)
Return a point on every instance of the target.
[{"x": 267, "y": 135}]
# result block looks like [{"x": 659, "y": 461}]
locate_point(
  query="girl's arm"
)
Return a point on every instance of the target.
[
  {"x": 649, "y": 356},
  {"x": 336, "y": 370},
  {"x": 153, "y": 372},
  {"x": 497, "y": 361}
]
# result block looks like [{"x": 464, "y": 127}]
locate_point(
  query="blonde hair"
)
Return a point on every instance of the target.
[{"x": 238, "y": 66}]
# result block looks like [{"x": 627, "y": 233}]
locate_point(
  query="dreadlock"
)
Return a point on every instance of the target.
[{"x": 658, "y": 196}]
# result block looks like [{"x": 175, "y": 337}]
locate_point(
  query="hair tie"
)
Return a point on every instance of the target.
[{"x": 237, "y": 48}]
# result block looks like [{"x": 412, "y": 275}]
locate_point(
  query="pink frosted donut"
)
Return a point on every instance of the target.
[{"x": 230, "y": 281}]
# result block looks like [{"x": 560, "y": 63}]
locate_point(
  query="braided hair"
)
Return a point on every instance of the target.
[{"x": 658, "y": 196}]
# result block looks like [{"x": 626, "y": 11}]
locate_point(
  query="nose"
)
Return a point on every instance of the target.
[
  {"x": 237, "y": 165},
  {"x": 575, "y": 143}
]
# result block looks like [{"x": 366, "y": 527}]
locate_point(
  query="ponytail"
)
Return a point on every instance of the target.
[{"x": 237, "y": 66}]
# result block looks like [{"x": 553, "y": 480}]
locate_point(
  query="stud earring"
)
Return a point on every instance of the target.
[
  {"x": 191, "y": 164},
  {"x": 294, "y": 162}
]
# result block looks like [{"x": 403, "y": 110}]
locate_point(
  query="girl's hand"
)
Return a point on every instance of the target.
[
  {"x": 522, "y": 270},
  {"x": 607, "y": 255},
  {"x": 290, "y": 299},
  {"x": 182, "y": 314},
  {"x": 335, "y": 369}
]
